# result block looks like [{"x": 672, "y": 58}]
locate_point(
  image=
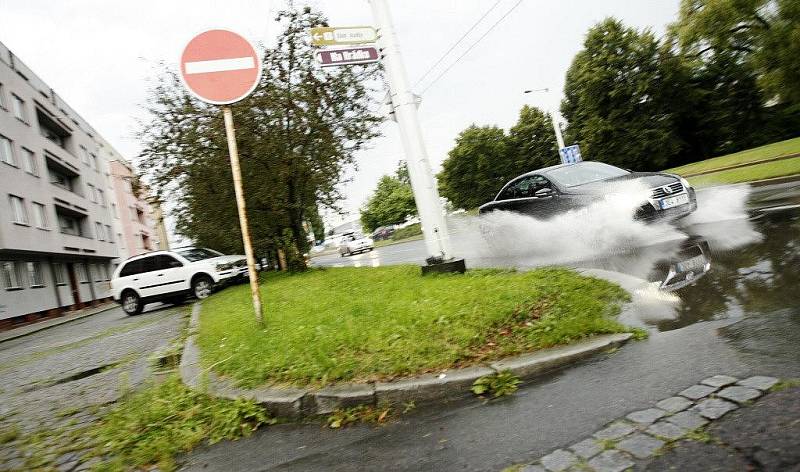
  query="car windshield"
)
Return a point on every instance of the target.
[
  {"x": 584, "y": 173},
  {"x": 195, "y": 254}
]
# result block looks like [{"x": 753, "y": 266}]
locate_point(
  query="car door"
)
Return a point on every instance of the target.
[
  {"x": 146, "y": 280},
  {"x": 169, "y": 274},
  {"x": 129, "y": 276},
  {"x": 521, "y": 196}
]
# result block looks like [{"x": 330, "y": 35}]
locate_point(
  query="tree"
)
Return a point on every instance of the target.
[
  {"x": 476, "y": 168},
  {"x": 617, "y": 99},
  {"x": 296, "y": 134},
  {"x": 531, "y": 142},
  {"x": 391, "y": 203}
]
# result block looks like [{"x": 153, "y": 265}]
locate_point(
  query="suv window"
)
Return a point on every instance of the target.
[
  {"x": 149, "y": 264},
  {"x": 525, "y": 187},
  {"x": 164, "y": 261},
  {"x": 131, "y": 268}
]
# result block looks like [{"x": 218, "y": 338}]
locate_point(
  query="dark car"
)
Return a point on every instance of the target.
[{"x": 557, "y": 189}]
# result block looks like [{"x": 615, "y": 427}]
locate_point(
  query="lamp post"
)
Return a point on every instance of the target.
[{"x": 556, "y": 128}]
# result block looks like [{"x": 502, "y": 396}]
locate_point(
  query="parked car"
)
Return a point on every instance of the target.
[
  {"x": 557, "y": 189},
  {"x": 382, "y": 233},
  {"x": 172, "y": 275},
  {"x": 353, "y": 243}
]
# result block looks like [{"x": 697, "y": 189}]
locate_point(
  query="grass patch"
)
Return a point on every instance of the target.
[
  {"x": 766, "y": 170},
  {"x": 361, "y": 324},
  {"x": 9, "y": 434},
  {"x": 780, "y": 148},
  {"x": 151, "y": 426}
]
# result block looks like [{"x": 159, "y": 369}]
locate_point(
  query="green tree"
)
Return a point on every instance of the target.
[
  {"x": 617, "y": 99},
  {"x": 391, "y": 203},
  {"x": 476, "y": 168},
  {"x": 531, "y": 143},
  {"x": 296, "y": 134}
]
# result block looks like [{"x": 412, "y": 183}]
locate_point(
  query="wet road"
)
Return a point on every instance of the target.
[{"x": 738, "y": 313}]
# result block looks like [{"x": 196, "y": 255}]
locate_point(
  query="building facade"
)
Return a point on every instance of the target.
[
  {"x": 138, "y": 219},
  {"x": 61, "y": 227}
]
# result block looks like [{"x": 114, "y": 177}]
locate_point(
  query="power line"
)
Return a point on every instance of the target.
[
  {"x": 443, "y": 56},
  {"x": 471, "y": 47}
]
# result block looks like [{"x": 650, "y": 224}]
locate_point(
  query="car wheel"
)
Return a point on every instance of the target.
[
  {"x": 201, "y": 286},
  {"x": 131, "y": 303}
]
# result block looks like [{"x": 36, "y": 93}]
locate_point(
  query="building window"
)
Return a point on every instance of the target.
[
  {"x": 35, "y": 276},
  {"x": 90, "y": 193},
  {"x": 2, "y": 97},
  {"x": 58, "y": 270},
  {"x": 99, "y": 230},
  {"x": 18, "y": 210},
  {"x": 109, "y": 234},
  {"x": 133, "y": 212},
  {"x": 84, "y": 155},
  {"x": 69, "y": 224},
  {"x": 106, "y": 274},
  {"x": 101, "y": 197},
  {"x": 18, "y": 107},
  {"x": 11, "y": 278},
  {"x": 52, "y": 130},
  {"x": 61, "y": 176},
  {"x": 114, "y": 210},
  {"x": 98, "y": 272},
  {"x": 80, "y": 268},
  {"x": 6, "y": 151},
  {"x": 95, "y": 163},
  {"x": 29, "y": 162},
  {"x": 40, "y": 215}
]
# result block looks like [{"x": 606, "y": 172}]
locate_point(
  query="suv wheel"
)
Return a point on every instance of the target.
[
  {"x": 131, "y": 303},
  {"x": 201, "y": 286}
]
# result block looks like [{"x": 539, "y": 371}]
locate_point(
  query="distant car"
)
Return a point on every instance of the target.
[
  {"x": 383, "y": 232},
  {"x": 353, "y": 243},
  {"x": 172, "y": 275},
  {"x": 546, "y": 192}
]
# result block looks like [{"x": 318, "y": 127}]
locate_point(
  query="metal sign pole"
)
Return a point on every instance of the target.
[{"x": 230, "y": 133}]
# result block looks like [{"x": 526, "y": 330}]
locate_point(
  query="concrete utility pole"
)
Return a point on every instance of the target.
[{"x": 426, "y": 194}]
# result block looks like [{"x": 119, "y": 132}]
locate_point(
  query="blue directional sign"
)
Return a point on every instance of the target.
[{"x": 570, "y": 154}]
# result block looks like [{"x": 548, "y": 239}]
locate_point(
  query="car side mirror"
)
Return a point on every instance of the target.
[{"x": 544, "y": 192}]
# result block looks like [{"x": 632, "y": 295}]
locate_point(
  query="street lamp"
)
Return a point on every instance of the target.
[{"x": 556, "y": 128}]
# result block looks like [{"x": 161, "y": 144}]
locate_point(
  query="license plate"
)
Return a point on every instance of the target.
[
  {"x": 695, "y": 264},
  {"x": 670, "y": 202}
]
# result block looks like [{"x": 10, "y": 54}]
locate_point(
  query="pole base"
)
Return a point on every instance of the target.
[{"x": 438, "y": 266}]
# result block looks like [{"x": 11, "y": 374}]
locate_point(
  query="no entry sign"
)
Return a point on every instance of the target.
[{"x": 220, "y": 67}]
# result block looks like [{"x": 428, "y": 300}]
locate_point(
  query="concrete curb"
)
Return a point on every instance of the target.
[
  {"x": 43, "y": 325},
  {"x": 450, "y": 384}
]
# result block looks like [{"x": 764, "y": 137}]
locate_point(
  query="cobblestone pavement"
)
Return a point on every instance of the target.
[
  {"x": 686, "y": 433},
  {"x": 61, "y": 379}
]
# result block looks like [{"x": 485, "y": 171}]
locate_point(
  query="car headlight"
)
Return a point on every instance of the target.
[
  {"x": 685, "y": 183},
  {"x": 224, "y": 267}
]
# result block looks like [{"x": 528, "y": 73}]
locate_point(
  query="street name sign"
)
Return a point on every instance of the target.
[
  {"x": 571, "y": 154},
  {"x": 343, "y": 57},
  {"x": 220, "y": 67},
  {"x": 340, "y": 36}
]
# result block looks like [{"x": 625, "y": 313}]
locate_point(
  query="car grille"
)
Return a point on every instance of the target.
[
  {"x": 660, "y": 192},
  {"x": 240, "y": 263}
]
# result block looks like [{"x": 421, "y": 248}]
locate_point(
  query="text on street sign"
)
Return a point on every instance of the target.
[
  {"x": 342, "y": 57},
  {"x": 332, "y": 36}
]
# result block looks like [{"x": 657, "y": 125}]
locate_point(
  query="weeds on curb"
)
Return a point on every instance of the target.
[
  {"x": 9, "y": 434},
  {"x": 363, "y": 414},
  {"x": 497, "y": 385}
]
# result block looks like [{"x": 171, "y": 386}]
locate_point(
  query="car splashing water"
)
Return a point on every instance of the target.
[
  {"x": 722, "y": 218},
  {"x": 605, "y": 227}
]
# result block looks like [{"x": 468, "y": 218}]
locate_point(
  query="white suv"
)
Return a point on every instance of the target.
[{"x": 170, "y": 275}]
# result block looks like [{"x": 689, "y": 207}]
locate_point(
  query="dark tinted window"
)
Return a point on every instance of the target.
[
  {"x": 524, "y": 187},
  {"x": 131, "y": 268},
  {"x": 149, "y": 264},
  {"x": 164, "y": 261}
]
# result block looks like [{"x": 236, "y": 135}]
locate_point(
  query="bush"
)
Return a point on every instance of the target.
[{"x": 407, "y": 232}]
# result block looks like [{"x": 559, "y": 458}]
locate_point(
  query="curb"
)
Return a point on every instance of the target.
[
  {"x": 47, "y": 324},
  {"x": 449, "y": 384}
]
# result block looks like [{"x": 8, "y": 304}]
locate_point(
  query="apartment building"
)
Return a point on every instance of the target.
[
  {"x": 141, "y": 222},
  {"x": 61, "y": 227}
]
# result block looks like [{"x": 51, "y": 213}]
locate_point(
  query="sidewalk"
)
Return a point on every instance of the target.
[{"x": 41, "y": 325}]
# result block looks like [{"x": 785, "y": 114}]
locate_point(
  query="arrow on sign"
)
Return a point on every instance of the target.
[{"x": 342, "y": 35}]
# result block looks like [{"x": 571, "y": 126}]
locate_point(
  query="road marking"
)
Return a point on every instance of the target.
[{"x": 220, "y": 65}]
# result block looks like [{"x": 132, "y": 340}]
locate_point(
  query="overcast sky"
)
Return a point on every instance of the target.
[{"x": 99, "y": 54}]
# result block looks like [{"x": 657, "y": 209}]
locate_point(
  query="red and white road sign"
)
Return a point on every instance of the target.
[{"x": 220, "y": 67}]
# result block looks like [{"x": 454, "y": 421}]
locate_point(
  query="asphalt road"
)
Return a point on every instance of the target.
[{"x": 740, "y": 316}]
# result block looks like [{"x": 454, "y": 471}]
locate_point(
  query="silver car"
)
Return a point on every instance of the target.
[{"x": 353, "y": 243}]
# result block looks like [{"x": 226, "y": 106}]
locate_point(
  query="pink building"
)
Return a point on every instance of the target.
[{"x": 137, "y": 228}]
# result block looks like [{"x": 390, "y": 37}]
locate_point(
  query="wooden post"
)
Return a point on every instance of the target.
[{"x": 237, "y": 186}]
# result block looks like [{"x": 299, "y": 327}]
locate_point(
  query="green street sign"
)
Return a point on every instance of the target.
[{"x": 341, "y": 35}]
